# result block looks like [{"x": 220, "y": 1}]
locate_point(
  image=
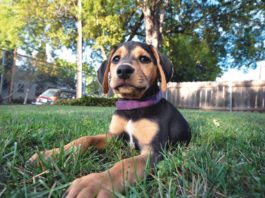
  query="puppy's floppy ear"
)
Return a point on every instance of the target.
[
  {"x": 167, "y": 67},
  {"x": 164, "y": 68},
  {"x": 103, "y": 72}
]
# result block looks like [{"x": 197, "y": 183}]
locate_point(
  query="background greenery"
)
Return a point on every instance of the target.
[
  {"x": 200, "y": 37},
  {"x": 225, "y": 158},
  {"x": 89, "y": 101}
]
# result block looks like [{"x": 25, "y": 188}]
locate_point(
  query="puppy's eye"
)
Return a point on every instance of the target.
[
  {"x": 144, "y": 59},
  {"x": 116, "y": 59}
]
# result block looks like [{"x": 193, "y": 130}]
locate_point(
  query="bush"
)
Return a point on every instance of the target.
[{"x": 88, "y": 101}]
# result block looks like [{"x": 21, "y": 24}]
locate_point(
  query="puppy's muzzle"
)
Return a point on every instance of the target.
[{"x": 124, "y": 71}]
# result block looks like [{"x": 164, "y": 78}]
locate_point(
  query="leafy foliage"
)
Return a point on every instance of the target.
[
  {"x": 60, "y": 72},
  {"x": 233, "y": 30},
  {"x": 199, "y": 37},
  {"x": 88, "y": 101},
  {"x": 11, "y": 24},
  {"x": 192, "y": 59}
]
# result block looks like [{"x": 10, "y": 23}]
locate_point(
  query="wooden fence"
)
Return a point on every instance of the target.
[{"x": 227, "y": 96}]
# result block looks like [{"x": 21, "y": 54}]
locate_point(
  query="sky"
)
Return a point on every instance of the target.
[{"x": 244, "y": 74}]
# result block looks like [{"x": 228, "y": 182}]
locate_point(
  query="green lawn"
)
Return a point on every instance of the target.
[{"x": 226, "y": 157}]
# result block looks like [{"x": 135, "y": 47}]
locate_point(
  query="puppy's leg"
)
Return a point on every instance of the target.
[
  {"x": 99, "y": 141},
  {"x": 103, "y": 185}
]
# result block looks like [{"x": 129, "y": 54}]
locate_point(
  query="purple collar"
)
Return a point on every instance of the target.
[{"x": 122, "y": 104}]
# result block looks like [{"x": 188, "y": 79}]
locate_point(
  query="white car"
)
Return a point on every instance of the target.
[{"x": 51, "y": 95}]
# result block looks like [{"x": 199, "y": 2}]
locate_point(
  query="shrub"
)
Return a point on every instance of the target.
[{"x": 88, "y": 101}]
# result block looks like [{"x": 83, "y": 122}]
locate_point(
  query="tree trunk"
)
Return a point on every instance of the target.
[
  {"x": 103, "y": 52},
  {"x": 2, "y": 72},
  {"x": 12, "y": 80},
  {"x": 26, "y": 96},
  {"x": 79, "y": 52},
  {"x": 153, "y": 20}
]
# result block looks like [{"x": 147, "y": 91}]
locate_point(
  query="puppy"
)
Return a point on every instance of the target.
[{"x": 143, "y": 118}]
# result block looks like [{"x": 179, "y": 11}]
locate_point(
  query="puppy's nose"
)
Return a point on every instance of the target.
[{"x": 124, "y": 71}]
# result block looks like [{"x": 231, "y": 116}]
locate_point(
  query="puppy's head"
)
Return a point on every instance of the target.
[{"x": 133, "y": 68}]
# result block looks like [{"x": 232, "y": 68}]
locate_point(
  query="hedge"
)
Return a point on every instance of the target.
[{"x": 88, "y": 101}]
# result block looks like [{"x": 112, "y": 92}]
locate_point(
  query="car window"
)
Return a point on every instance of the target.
[{"x": 50, "y": 92}]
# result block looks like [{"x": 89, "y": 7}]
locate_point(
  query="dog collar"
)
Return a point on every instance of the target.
[{"x": 122, "y": 104}]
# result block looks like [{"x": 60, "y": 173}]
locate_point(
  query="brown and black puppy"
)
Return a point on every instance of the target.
[{"x": 142, "y": 117}]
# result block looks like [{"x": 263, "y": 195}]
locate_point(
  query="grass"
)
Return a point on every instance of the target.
[{"x": 226, "y": 157}]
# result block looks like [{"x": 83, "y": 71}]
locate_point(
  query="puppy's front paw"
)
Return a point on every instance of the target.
[
  {"x": 93, "y": 185},
  {"x": 35, "y": 158}
]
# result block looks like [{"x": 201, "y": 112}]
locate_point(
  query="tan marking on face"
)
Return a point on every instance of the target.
[
  {"x": 143, "y": 130},
  {"x": 144, "y": 75},
  {"x": 117, "y": 124},
  {"x": 149, "y": 70},
  {"x": 122, "y": 51}
]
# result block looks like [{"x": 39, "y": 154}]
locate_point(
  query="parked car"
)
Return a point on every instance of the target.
[{"x": 51, "y": 95}]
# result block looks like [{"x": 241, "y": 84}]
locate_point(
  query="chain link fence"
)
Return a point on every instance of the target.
[{"x": 24, "y": 78}]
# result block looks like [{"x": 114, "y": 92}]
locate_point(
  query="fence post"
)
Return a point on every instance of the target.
[
  {"x": 166, "y": 94},
  {"x": 230, "y": 96}
]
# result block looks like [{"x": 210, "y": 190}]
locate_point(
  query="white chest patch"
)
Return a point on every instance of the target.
[
  {"x": 130, "y": 130},
  {"x": 142, "y": 130}
]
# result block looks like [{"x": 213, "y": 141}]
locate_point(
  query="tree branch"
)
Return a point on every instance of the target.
[{"x": 136, "y": 27}]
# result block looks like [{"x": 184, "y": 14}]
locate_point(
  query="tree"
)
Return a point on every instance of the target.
[
  {"x": 79, "y": 54},
  {"x": 107, "y": 23},
  {"x": 190, "y": 55},
  {"x": 193, "y": 60},
  {"x": 231, "y": 28},
  {"x": 201, "y": 36},
  {"x": 154, "y": 12},
  {"x": 198, "y": 36},
  {"x": 11, "y": 24},
  {"x": 54, "y": 22},
  {"x": 10, "y": 27}
]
